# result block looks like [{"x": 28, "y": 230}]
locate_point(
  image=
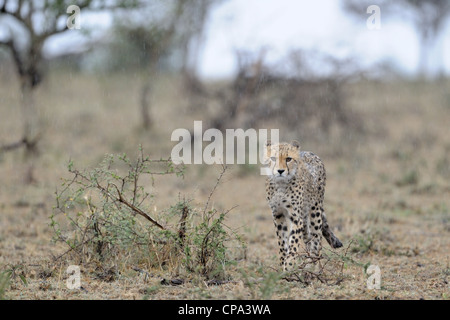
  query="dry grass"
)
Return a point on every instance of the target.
[{"x": 387, "y": 192}]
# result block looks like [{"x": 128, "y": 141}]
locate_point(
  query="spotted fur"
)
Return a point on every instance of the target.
[{"x": 295, "y": 191}]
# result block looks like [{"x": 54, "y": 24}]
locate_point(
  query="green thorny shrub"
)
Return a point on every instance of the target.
[{"x": 103, "y": 217}]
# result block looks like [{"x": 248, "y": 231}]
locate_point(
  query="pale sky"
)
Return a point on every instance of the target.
[
  {"x": 315, "y": 25},
  {"x": 284, "y": 25}
]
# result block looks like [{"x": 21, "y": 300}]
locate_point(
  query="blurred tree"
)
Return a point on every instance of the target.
[
  {"x": 166, "y": 29},
  {"x": 191, "y": 36},
  {"x": 428, "y": 17},
  {"x": 27, "y": 26}
]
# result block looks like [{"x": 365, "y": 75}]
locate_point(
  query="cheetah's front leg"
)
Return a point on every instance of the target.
[{"x": 289, "y": 230}]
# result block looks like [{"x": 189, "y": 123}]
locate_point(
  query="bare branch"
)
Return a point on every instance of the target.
[
  {"x": 119, "y": 198},
  {"x": 24, "y": 142},
  {"x": 224, "y": 168}
]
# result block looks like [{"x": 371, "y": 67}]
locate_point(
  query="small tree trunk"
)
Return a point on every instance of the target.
[
  {"x": 29, "y": 117},
  {"x": 30, "y": 128},
  {"x": 146, "y": 92},
  {"x": 145, "y": 104}
]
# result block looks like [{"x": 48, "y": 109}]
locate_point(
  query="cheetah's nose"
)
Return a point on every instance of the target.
[{"x": 281, "y": 171}]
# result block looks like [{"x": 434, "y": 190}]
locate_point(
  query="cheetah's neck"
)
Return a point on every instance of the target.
[{"x": 282, "y": 185}]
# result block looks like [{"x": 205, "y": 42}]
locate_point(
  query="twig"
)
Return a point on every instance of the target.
[
  {"x": 302, "y": 274},
  {"x": 182, "y": 230},
  {"x": 72, "y": 249},
  {"x": 224, "y": 168},
  {"x": 24, "y": 142},
  {"x": 121, "y": 199},
  {"x": 178, "y": 282},
  {"x": 129, "y": 205},
  {"x": 147, "y": 275}
]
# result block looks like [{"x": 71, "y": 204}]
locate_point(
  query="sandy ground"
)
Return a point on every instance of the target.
[{"x": 387, "y": 195}]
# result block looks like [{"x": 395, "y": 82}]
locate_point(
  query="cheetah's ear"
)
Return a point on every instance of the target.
[
  {"x": 296, "y": 144},
  {"x": 268, "y": 143}
]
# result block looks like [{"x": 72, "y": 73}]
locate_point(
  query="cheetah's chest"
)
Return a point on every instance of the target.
[{"x": 285, "y": 197}]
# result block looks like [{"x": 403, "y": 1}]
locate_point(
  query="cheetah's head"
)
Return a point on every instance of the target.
[{"x": 283, "y": 159}]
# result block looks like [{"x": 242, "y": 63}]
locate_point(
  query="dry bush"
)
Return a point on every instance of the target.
[
  {"x": 328, "y": 268},
  {"x": 102, "y": 216},
  {"x": 304, "y": 102}
]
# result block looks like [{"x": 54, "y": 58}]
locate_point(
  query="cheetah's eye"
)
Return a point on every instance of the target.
[{"x": 288, "y": 159}]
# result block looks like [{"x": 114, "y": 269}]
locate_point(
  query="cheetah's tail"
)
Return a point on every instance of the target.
[{"x": 332, "y": 240}]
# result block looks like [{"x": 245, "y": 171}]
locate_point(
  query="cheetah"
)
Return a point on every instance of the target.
[{"x": 295, "y": 190}]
